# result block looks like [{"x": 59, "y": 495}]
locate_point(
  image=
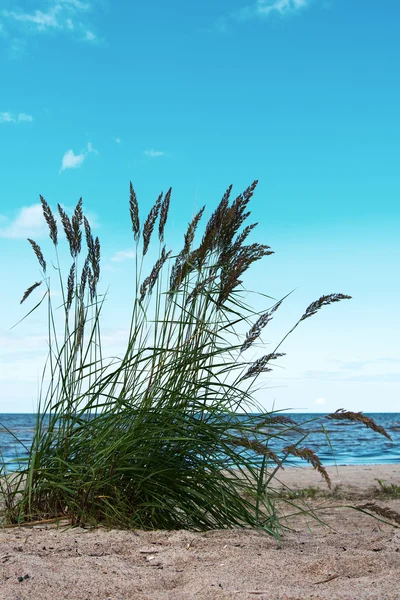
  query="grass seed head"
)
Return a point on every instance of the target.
[
  {"x": 96, "y": 259},
  {"x": 80, "y": 330},
  {"x": 213, "y": 227},
  {"x": 68, "y": 230},
  {"x": 38, "y": 253},
  {"x": 92, "y": 284},
  {"x": 199, "y": 288},
  {"x": 239, "y": 264},
  {"x": 50, "y": 220},
  {"x": 256, "y": 447},
  {"x": 30, "y": 290},
  {"x": 70, "y": 286},
  {"x": 91, "y": 275},
  {"x": 191, "y": 230},
  {"x": 149, "y": 224},
  {"x": 150, "y": 281},
  {"x": 134, "y": 212},
  {"x": 186, "y": 260},
  {"x": 323, "y": 301},
  {"x": 164, "y": 215},
  {"x": 255, "y": 331},
  {"x": 234, "y": 217},
  {"x": 381, "y": 511},
  {"x": 89, "y": 236},
  {"x": 277, "y": 420},
  {"x": 260, "y": 365},
  {"x": 233, "y": 248},
  {"x": 84, "y": 277},
  {"x": 76, "y": 223},
  {"x": 358, "y": 417},
  {"x": 311, "y": 457}
]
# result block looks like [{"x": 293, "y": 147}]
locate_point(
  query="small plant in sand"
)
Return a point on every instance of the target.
[
  {"x": 307, "y": 493},
  {"x": 388, "y": 490},
  {"x": 166, "y": 436}
]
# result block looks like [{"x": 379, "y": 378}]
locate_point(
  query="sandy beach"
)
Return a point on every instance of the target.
[{"x": 352, "y": 556}]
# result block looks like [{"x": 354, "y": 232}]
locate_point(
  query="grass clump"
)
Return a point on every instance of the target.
[
  {"x": 390, "y": 490},
  {"x": 307, "y": 493},
  {"x": 154, "y": 438}
]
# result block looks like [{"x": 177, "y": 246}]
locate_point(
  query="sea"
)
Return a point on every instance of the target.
[{"x": 336, "y": 442}]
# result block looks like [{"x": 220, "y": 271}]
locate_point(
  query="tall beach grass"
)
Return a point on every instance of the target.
[{"x": 153, "y": 438}]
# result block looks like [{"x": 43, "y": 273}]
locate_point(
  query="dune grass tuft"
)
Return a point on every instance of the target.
[{"x": 165, "y": 436}]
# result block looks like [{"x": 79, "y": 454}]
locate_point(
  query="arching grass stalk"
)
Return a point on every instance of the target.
[{"x": 167, "y": 435}]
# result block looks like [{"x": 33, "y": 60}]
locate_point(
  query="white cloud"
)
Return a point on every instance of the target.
[
  {"x": 70, "y": 160},
  {"x": 39, "y": 18},
  {"x": 153, "y": 153},
  {"x": 91, "y": 149},
  {"x": 90, "y": 36},
  {"x": 76, "y": 4},
  {"x": 259, "y": 9},
  {"x": 7, "y": 117},
  {"x": 58, "y": 15},
  {"x": 123, "y": 255},
  {"x": 320, "y": 401},
  {"x": 29, "y": 222},
  {"x": 265, "y": 7},
  {"x": 358, "y": 365},
  {"x": 24, "y": 117}
]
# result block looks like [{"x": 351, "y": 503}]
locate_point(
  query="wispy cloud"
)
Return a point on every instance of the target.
[
  {"x": 258, "y": 10},
  {"x": 38, "y": 18},
  {"x": 320, "y": 401},
  {"x": 384, "y": 376},
  {"x": 24, "y": 117},
  {"x": 7, "y": 117},
  {"x": 91, "y": 149},
  {"x": 54, "y": 15},
  {"x": 90, "y": 36},
  {"x": 29, "y": 222},
  {"x": 123, "y": 255},
  {"x": 266, "y": 7},
  {"x": 70, "y": 160},
  {"x": 153, "y": 153},
  {"x": 357, "y": 365},
  {"x": 75, "y": 4}
]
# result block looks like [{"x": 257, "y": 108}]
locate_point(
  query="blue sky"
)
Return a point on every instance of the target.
[{"x": 303, "y": 95}]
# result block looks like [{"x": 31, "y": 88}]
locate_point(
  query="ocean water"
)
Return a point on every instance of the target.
[{"x": 349, "y": 443}]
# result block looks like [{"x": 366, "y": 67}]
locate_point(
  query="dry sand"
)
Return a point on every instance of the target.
[{"x": 357, "y": 558}]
